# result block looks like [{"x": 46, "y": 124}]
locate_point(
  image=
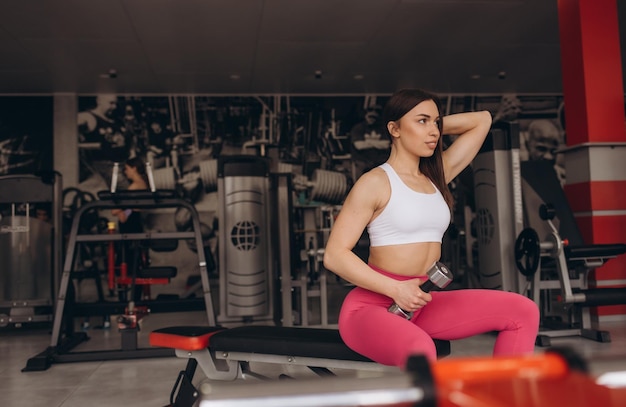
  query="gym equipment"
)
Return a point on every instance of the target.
[
  {"x": 30, "y": 246},
  {"x": 557, "y": 267},
  {"x": 543, "y": 380},
  {"x": 74, "y": 198},
  {"x": 167, "y": 178},
  {"x": 302, "y": 229},
  {"x": 183, "y": 119},
  {"x": 529, "y": 250},
  {"x": 246, "y": 282},
  {"x": 328, "y": 186},
  {"x": 142, "y": 273},
  {"x": 302, "y": 232},
  {"x": 439, "y": 277},
  {"x": 262, "y": 201},
  {"x": 497, "y": 183},
  {"x": 225, "y": 354},
  {"x": 325, "y": 186},
  {"x": 62, "y": 343}
]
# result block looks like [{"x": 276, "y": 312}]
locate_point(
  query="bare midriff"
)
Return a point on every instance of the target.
[{"x": 412, "y": 259}]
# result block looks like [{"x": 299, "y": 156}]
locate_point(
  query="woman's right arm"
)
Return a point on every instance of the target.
[
  {"x": 368, "y": 194},
  {"x": 357, "y": 211}
]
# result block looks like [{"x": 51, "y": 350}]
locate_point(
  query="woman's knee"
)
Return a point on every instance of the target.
[
  {"x": 397, "y": 352},
  {"x": 423, "y": 346},
  {"x": 525, "y": 309}
]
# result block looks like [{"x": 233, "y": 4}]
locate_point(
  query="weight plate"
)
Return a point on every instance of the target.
[
  {"x": 208, "y": 175},
  {"x": 164, "y": 178},
  {"x": 527, "y": 252}
]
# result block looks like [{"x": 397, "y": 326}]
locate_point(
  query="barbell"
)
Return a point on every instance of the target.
[
  {"x": 326, "y": 186},
  {"x": 167, "y": 177}
]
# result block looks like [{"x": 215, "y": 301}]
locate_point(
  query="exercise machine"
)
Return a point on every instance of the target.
[
  {"x": 566, "y": 284},
  {"x": 273, "y": 226},
  {"x": 31, "y": 243},
  {"x": 497, "y": 183},
  {"x": 304, "y": 213},
  {"x": 245, "y": 266},
  {"x": 557, "y": 265},
  {"x": 64, "y": 338}
]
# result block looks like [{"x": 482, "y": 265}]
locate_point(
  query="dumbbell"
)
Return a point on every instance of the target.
[{"x": 439, "y": 276}]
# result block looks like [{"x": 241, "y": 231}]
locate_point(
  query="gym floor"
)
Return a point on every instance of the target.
[{"x": 148, "y": 382}]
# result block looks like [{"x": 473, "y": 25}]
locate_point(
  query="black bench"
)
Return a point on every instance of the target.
[{"x": 224, "y": 354}]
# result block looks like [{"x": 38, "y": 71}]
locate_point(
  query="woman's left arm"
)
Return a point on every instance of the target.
[{"x": 472, "y": 129}]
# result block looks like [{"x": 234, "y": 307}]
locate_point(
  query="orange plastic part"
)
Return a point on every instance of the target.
[{"x": 190, "y": 343}]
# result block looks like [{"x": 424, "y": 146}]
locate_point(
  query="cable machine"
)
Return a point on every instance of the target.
[
  {"x": 30, "y": 246},
  {"x": 499, "y": 212}
]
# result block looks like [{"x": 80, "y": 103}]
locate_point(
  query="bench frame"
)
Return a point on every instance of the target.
[{"x": 223, "y": 359}]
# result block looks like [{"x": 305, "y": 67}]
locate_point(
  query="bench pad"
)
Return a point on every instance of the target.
[{"x": 270, "y": 340}]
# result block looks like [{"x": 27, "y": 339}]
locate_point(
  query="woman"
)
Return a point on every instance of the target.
[
  {"x": 130, "y": 221},
  {"x": 406, "y": 218},
  {"x": 135, "y": 171}
]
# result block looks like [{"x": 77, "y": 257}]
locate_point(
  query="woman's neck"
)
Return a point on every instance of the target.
[{"x": 404, "y": 164}]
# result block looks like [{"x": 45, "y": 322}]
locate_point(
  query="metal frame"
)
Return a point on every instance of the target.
[
  {"x": 553, "y": 247},
  {"x": 224, "y": 197},
  {"x": 37, "y": 191},
  {"x": 498, "y": 186},
  {"x": 60, "y": 346}
]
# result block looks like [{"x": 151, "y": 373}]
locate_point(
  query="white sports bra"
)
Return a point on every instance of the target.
[{"x": 409, "y": 216}]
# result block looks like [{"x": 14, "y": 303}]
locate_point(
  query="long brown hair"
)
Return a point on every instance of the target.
[
  {"x": 140, "y": 166},
  {"x": 400, "y": 103}
]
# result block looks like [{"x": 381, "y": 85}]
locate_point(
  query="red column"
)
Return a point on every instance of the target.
[{"x": 593, "y": 93}]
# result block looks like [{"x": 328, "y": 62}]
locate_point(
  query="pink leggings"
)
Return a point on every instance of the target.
[{"x": 369, "y": 329}]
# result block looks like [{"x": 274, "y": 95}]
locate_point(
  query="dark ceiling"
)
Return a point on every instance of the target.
[{"x": 276, "y": 46}]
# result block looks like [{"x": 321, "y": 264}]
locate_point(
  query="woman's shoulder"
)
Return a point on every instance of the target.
[
  {"x": 374, "y": 176},
  {"x": 372, "y": 185},
  {"x": 137, "y": 186}
]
